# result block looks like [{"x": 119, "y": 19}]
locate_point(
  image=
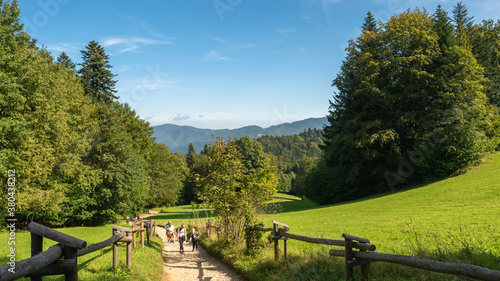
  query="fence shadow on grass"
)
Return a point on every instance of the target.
[{"x": 102, "y": 252}]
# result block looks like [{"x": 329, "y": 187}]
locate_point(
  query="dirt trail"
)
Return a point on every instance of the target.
[{"x": 193, "y": 265}]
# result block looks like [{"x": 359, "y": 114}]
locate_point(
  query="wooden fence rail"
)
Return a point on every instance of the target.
[
  {"x": 49, "y": 262},
  {"x": 363, "y": 258},
  {"x": 25, "y": 267},
  {"x": 467, "y": 270}
]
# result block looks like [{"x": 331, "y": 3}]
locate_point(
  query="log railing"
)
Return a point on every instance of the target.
[
  {"x": 43, "y": 263},
  {"x": 363, "y": 258},
  {"x": 210, "y": 226}
]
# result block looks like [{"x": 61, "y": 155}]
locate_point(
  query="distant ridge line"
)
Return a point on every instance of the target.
[{"x": 178, "y": 137}]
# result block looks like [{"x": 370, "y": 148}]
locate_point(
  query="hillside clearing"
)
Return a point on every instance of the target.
[{"x": 455, "y": 220}]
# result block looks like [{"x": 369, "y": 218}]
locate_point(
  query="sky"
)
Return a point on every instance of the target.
[{"x": 219, "y": 63}]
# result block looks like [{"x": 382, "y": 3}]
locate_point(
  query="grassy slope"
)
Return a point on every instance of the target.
[
  {"x": 466, "y": 205},
  {"x": 147, "y": 264},
  {"x": 454, "y": 220}
]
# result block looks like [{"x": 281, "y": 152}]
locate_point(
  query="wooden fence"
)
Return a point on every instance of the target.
[
  {"x": 49, "y": 262},
  {"x": 359, "y": 252}
]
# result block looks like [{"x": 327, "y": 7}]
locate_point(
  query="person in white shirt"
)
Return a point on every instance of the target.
[
  {"x": 170, "y": 232},
  {"x": 181, "y": 234}
]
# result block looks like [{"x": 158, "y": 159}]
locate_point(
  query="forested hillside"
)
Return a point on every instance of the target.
[
  {"x": 417, "y": 99},
  {"x": 74, "y": 154},
  {"x": 293, "y": 156}
]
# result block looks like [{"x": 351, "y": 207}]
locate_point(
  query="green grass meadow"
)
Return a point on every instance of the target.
[
  {"x": 453, "y": 220},
  {"x": 147, "y": 263}
]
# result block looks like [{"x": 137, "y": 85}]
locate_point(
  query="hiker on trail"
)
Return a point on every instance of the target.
[
  {"x": 170, "y": 232},
  {"x": 194, "y": 237},
  {"x": 181, "y": 234}
]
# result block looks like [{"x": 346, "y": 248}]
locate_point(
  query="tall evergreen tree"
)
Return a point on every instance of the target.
[
  {"x": 192, "y": 162},
  {"x": 485, "y": 41},
  {"x": 444, "y": 28},
  {"x": 370, "y": 23},
  {"x": 64, "y": 60},
  {"x": 96, "y": 74},
  {"x": 462, "y": 22},
  {"x": 191, "y": 156}
]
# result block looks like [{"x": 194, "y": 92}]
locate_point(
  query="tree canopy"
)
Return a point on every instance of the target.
[
  {"x": 80, "y": 157},
  {"x": 410, "y": 104}
]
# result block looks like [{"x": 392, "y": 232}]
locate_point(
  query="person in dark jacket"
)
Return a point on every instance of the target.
[{"x": 194, "y": 237}]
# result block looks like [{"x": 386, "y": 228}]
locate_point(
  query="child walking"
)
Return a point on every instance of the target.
[{"x": 194, "y": 237}]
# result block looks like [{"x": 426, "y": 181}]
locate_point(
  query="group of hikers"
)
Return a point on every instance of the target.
[{"x": 182, "y": 236}]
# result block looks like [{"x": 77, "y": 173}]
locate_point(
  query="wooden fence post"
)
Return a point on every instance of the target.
[
  {"x": 36, "y": 248},
  {"x": 350, "y": 263},
  {"x": 71, "y": 253},
  {"x": 142, "y": 234},
  {"x": 115, "y": 251},
  {"x": 129, "y": 252},
  {"x": 285, "y": 246},
  {"x": 349, "y": 272},
  {"x": 276, "y": 245},
  {"x": 365, "y": 272},
  {"x": 133, "y": 238}
]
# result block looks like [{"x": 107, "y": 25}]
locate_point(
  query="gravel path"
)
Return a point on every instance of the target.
[{"x": 193, "y": 266}]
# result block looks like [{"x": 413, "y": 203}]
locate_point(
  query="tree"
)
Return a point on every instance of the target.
[
  {"x": 485, "y": 41},
  {"x": 121, "y": 152},
  {"x": 395, "y": 99},
  {"x": 444, "y": 28},
  {"x": 64, "y": 60},
  {"x": 167, "y": 178},
  {"x": 462, "y": 23},
  {"x": 233, "y": 195},
  {"x": 96, "y": 75},
  {"x": 359, "y": 138},
  {"x": 12, "y": 30},
  {"x": 261, "y": 175},
  {"x": 191, "y": 156},
  {"x": 44, "y": 123},
  {"x": 370, "y": 24},
  {"x": 251, "y": 150}
]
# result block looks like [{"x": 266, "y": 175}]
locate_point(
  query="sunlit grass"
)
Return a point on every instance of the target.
[
  {"x": 454, "y": 220},
  {"x": 147, "y": 263}
]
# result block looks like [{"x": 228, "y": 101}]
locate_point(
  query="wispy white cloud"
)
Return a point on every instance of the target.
[
  {"x": 128, "y": 49},
  {"x": 219, "y": 39},
  {"x": 182, "y": 117},
  {"x": 128, "y": 44},
  {"x": 147, "y": 27},
  {"x": 215, "y": 56},
  {"x": 65, "y": 47},
  {"x": 133, "y": 41}
]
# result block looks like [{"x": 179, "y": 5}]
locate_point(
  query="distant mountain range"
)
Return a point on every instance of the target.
[{"x": 177, "y": 138}]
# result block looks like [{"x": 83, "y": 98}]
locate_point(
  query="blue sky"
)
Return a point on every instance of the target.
[{"x": 219, "y": 63}]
